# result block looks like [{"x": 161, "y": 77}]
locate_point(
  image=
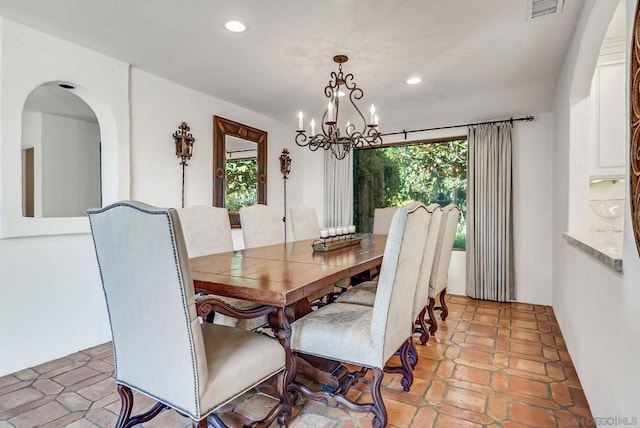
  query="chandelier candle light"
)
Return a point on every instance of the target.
[{"x": 331, "y": 137}]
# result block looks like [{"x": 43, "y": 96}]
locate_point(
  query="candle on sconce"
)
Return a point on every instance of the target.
[
  {"x": 375, "y": 119},
  {"x": 330, "y": 112},
  {"x": 373, "y": 114},
  {"x": 300, "y": 121},
  {"x": 313, "y": 127},
  {"x": 346, "y": 129}
]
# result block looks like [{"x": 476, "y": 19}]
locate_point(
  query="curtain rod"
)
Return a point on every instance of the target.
[{"x": 490, "y": 122}]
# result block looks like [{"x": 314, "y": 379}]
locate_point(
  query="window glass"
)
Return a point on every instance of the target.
[{"x": 421, "y": 171}]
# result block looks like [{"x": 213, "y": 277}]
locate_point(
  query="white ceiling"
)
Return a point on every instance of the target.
[{"x": 477, "y": 59}]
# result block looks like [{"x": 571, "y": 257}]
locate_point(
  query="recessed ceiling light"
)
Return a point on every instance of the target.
[
  {"x": 235, "y": 26},
  {"x": 413, "y": 80}
]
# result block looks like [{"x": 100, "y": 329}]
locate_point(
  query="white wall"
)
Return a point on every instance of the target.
[
  {"x": 51, "y": 301},
  {"x": 70, "y": 166},
  {"x": 157, "y": 109},
  {"x": 532, "y": 216},
  {"x": 597, "y": 309},
  {"x": 28, "y": 60}
]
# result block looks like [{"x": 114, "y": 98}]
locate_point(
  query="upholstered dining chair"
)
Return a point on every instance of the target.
[
  {"x": 160, "y": 348},
  {"x": 304, "y": 222},
  {"x": 261, "y": 225},
  {"x": 365, "y": 293},
  {"x": 207, "y": 230},
  {"x": 369, "y": 336},
  {"x": 440, "y": 272},
  {"x": 382, "y": 220}
]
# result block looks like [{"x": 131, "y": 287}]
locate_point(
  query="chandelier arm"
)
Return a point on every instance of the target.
[
  {"x": 350, "y": 84},
  {"x": 355, "y": 106}
]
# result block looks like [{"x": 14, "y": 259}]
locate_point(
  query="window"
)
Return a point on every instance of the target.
[{"x": 422, "y": 171}]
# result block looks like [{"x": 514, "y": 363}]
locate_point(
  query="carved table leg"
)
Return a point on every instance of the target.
[
  {"x": 289, "y": 374},
  {"x": 323, "y": 371}
]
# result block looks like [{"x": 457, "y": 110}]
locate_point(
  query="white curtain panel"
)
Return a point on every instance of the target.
[
  {"x": 338, "y": 190},
  {"x": 489, "y": 214}
]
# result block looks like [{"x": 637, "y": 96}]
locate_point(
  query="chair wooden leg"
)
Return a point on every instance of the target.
[
  {"x": 124, "y": 419},
  {"x": 433, "y": 323},
  {"x": 405, "y": 369},
  {"x": 421, "y": 327},
  {"x": 126, "y": 400},
  {"x": 413, "y": 355},
  {"x": 444, "y": 311},
  {"x": 379, "y": 410},
  {"x": 199, "y": 424}
]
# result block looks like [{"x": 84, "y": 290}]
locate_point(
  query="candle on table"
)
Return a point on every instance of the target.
[
  {"x": 324, "y": 233},
  {"x": 332, "y": 231},
  {"x": 352, "y": 229}
]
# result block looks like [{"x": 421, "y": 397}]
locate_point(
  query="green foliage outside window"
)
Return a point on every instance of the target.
[
  {"x": 393, "y": 176},
  {"x": 242, "y": 183}
]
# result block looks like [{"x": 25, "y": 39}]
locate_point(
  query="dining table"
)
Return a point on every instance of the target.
[{"x": 282, "y": 278}]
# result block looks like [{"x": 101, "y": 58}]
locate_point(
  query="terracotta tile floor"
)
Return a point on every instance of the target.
[{"x": 489, "y": 364}]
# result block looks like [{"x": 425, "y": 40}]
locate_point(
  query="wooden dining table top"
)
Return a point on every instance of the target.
[{"x": 282, "y": 274}]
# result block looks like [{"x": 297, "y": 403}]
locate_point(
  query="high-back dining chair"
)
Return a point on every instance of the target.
[
  {"x": 261, "y": 225},
  {"x": 440, "y": 272},
  {"x": 382, "y": 220},
  {"x": 304, "y": 222},
  {"x": 365, "y": 293},
  {"x": 422, "y": 289},
  {"x": 206, "y": 231},
  {"x": 160, "y": 347},
  {"x": 369, "y": 336}
]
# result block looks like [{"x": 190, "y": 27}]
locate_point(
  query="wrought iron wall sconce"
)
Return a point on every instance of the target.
[
  {"x": 183, "y": 140},
  {"x": 285, "y": 169}
]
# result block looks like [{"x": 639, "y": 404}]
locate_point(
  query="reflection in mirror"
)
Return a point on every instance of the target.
[
  {"x": 60, "y": 154},
  {"x": 241, "y": 171},
  {"x": 239, "y": 166}
]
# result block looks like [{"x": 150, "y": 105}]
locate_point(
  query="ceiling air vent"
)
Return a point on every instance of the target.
[{"x": 540, "y": 8}]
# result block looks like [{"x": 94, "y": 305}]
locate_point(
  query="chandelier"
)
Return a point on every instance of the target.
[{"x": 331, "y": 137}]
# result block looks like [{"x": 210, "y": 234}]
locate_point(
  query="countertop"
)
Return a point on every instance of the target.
[{"x": 604, "y": 247}]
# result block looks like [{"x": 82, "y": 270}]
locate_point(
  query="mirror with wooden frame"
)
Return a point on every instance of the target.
[
  {"x": 239, "y": 166},
  {"x": 634, "y": 109}
]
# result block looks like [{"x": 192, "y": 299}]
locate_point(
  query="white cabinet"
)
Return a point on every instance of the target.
[{"x": 607, "y": 121}]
